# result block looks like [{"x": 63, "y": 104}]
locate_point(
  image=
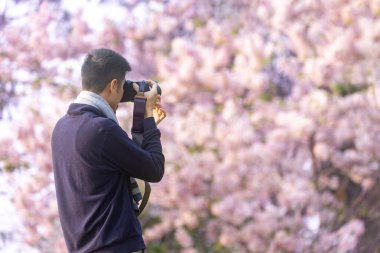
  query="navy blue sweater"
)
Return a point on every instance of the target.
[{"x": 93, "y": 159}]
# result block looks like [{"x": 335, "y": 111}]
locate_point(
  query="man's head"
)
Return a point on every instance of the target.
[{"x": 103, "y": 72}]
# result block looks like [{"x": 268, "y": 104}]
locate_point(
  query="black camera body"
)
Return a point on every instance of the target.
[{"x": 130, "y": 93}]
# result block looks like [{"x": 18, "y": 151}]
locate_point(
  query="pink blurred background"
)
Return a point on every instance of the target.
[{"x": 271, "y": 139}]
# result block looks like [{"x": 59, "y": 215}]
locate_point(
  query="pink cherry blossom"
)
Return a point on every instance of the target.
[{"x": 271, "y": 139}]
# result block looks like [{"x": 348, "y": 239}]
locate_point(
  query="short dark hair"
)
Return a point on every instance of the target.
[{"x": 100, "y": 67}]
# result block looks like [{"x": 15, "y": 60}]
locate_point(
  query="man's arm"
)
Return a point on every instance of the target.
[{"x": 146, "y": 162}]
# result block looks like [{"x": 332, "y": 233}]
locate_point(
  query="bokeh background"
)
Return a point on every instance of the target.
[{"x": 272, "y": 138}]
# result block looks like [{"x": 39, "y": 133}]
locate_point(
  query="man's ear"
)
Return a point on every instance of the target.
[{"x": 113, "y": 85}]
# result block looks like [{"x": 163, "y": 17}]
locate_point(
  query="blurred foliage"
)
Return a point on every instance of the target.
[{"x": 271, "y": 139}]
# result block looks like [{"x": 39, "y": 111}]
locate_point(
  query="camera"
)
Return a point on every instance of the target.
[{"x": 130, "y": 93}]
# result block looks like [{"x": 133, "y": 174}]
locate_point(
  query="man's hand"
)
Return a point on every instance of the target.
[
  {"x": 153, "y": 103},
  {"x": 158, "y": 112}
]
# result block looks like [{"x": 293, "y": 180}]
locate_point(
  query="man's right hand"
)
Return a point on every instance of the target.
[
  {"x": 152, "y": 99},
  {"x": 153, "y": 102}
]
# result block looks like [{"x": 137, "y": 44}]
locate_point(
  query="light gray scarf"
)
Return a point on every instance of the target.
[{"x": 93, "y": 99}]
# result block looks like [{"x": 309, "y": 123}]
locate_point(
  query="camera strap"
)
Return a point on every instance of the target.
[
  {"x": 137, "y": 136},
  {"x": 138, "y": 113}
]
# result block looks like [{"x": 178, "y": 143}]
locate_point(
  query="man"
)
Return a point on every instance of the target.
[{"x": 94, "y": 160}]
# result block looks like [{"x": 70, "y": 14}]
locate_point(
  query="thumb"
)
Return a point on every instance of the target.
[
  {"x": 154, "y": 88},
  {"x": 152, "y": 93}
]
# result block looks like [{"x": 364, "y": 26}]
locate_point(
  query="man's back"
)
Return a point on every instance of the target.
[{"x": 93, "y": 159}]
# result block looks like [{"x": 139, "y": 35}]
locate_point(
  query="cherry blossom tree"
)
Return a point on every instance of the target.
[{"x": 271, "y": 138}]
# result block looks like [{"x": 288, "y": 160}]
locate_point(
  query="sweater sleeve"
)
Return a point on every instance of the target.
[{"x": 146, "y": 162}]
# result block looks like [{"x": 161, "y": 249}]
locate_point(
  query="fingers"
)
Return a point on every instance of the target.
[
  {"x": 158, "y": 112},
  {"x": 135, "y": 87},
  {"x": 160, "y": 116},
  {"x": 151, "y": 82},
  {"x": 152, "y": 94},
  {"x": 158, "y": 101},
  {"x": 154, "y": 88}
]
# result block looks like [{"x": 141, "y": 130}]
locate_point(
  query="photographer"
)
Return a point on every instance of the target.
[{"x": 95, "y": 161}]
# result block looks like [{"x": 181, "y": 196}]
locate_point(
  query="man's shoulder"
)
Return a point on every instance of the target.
[
  {"x": 98, "y": 124},
  {"x": 87, "y": 123}
]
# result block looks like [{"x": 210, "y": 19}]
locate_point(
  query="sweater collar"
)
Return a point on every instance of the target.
[{"x": 78, "y": 109}]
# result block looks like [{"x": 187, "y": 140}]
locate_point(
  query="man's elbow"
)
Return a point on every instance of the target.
[
  {"x": 156, "y": 169},
  {"x": 157, "y": 175}
]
